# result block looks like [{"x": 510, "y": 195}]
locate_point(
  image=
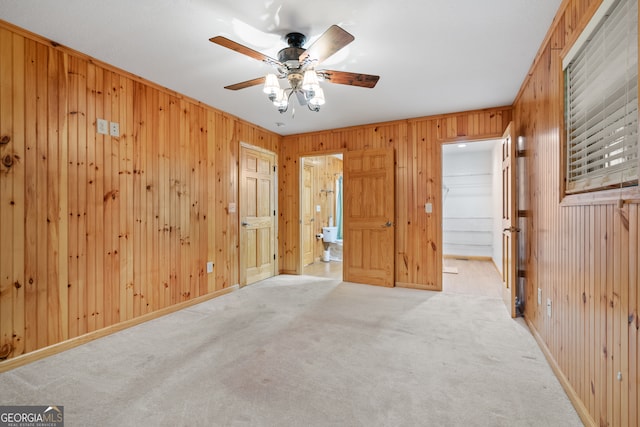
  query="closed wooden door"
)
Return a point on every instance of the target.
[
  {"x": 308, "y": 216},
  {"x": 509, "y": 221},
  {"x": 369, "y": 215},
  {"x": 257, "y": 215}
]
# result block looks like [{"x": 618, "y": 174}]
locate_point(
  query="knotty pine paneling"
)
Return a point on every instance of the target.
[
  {"x": 582, "y": 253},
  {"x": 417, "y": 145},
  {"x": 98, "y": 230}
]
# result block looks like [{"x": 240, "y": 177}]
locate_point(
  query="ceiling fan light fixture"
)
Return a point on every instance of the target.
[
  {"x": 318, "y": 99},
  {"x": 281, "y": 101},
  {"x": 310, "y": 81},
  {"x": 271, "y": 86},
  {"x": 298, "y": 65}
]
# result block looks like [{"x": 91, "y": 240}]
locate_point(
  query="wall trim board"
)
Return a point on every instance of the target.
[
  {"x": 582, "y": 411},
  {"x": 467, "y": 257},
  {"x": 419, "y": 286},
  {"x": 628, "y": 195},
  {"x": 51, "y": 350}
]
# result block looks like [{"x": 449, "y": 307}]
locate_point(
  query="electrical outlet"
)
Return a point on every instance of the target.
[
  {"x": 103, "y": 127},
  {"x": 210, "y": 267},
  {"x": 539, "y": 296},
  {"x": 428, "y": 207},
  {"x": 114, "y": 129},
  {"x": 548, "y": 307}
]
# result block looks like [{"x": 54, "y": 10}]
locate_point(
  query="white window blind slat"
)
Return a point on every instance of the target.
[{"x": 601, "y": 101}]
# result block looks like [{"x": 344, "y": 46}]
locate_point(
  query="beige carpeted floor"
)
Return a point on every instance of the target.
[{"x": 307, "y": 351}]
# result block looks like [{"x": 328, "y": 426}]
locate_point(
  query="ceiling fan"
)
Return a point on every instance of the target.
[{"x": 298, "y": 66}]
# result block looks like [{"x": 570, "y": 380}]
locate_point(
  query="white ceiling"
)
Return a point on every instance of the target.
[{"x": 432, "y": 56}]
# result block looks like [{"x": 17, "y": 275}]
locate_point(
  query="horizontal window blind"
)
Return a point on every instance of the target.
[{"x": 601, "y": 103}]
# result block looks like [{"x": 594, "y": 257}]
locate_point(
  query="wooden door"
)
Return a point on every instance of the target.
[
  {"x": 509, "y": 222},
  {"x": 369, "y": 229},
  {"x": 257, "y": 215},
  {"x": 308, "y": 216}
]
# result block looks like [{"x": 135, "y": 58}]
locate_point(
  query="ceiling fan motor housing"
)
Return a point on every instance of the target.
[{"x": 289, "y": 55}]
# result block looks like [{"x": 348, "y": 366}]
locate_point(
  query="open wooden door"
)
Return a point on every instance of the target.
[
  {"x": 509, "y": 222},
  {"x": 308, "y": 216},
  {"x": 257, "y": 215},
  {"x": 369, "y": 215}
]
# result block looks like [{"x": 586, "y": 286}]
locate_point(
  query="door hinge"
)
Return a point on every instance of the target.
[
  {"x": 274, "y": 212},
  {"x": 274, "y": 257},
  {"x": 274, "y": 168}
]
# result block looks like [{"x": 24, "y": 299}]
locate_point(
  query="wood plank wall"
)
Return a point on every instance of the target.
[
  {"x": 417, "y": 144},
  {"x": 583, "y": 253},
  {"x": 98, "y": 230}
]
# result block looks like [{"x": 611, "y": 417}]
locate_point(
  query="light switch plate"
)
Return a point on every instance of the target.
[
  {"x": 232, "y": 208},
  {"x": 428, "y": 207},
  {"x": 548, "y": 307},
  {"x": 210, "y": 267},
  {"x": 103, "y": 127},
  {"x": 114, "y": 129},
  {"x": 318, "y": 208},
  {"x": 539, "y": 296}
]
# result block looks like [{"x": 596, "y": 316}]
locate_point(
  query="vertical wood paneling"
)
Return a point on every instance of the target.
[
  {"x": 584, "y": 254},
  {"x": 31, "y": 191},
  {"x": 106, "y": 228},
  {"x": 417, "y": 145}
]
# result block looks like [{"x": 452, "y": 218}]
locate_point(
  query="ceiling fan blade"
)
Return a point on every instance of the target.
[
  {"x": 352, "y": 79},
  {"x": 331, "y": 41},
  {"x": 230, "y": 44},
  {"x": 248, "y": 83}
]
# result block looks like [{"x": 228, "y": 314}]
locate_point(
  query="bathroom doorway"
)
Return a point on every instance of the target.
[{"x": 321, "y": 188}]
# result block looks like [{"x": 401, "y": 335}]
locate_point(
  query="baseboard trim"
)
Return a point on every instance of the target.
[
  {"x": 468, "y": 257},
  {"x": 582, "y": 410},
  {"x": 417, "y": 286},
  {"x": 41, "y": 353}
]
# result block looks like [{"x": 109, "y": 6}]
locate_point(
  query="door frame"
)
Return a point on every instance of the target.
[
  {"x": 242, "y": 276},
  {"x": 441, "y": 208},
  {"x": 301, "y": 156}
]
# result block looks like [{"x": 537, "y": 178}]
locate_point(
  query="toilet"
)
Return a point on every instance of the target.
[{"x": 329, "y": 235}]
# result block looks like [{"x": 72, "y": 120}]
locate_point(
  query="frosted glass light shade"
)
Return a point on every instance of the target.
[
  {"x": 271, "y": 85},
  {"x": 318, "y": 98},
  {"x": 281, "y": 100},
  {"x": 310, "y": 81}
]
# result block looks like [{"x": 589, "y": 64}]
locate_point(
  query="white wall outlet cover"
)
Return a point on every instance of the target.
[
  {"x": 210, "y": 267},
  {"x": 318, "y": 208},
  {"x": 232, "y": 208},
  {"x": 114, "y": 129},
  {"x": 103, "y": 126},
  {"x": 539, "y": 296},
  {"x": 428, "y": 207},
  {"x": 548, "y": 307}
]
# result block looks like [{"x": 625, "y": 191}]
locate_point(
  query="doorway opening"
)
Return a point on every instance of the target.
[
  {"x": 471, "y": 217},
  {"x": 321, "y": 213}
]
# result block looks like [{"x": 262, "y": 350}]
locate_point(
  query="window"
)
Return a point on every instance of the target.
[{"x": 601, "y": 101}]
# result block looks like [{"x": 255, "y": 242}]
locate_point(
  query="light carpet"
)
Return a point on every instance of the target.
[{"x": 307, "y": 351}]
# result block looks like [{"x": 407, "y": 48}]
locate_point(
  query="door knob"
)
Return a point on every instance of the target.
[
  {"x": 388, "y": 224},
  {"x": 244, "y": 224},
  {"x": 511, "y": 229}
]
